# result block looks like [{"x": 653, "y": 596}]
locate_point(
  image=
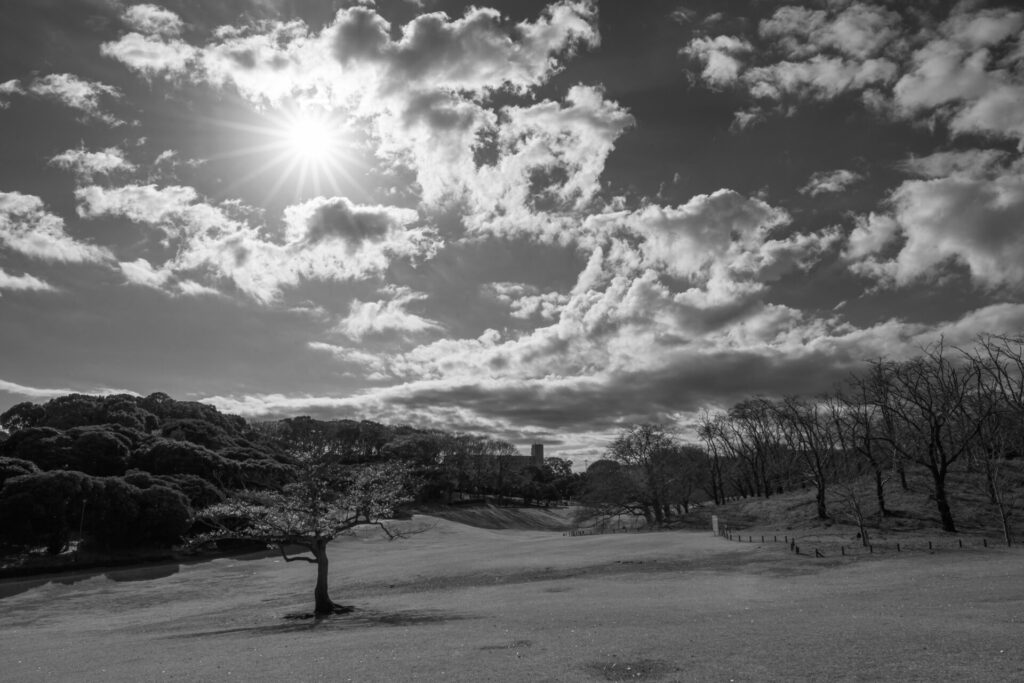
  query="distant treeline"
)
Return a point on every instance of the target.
[
  {"x": 945, "y": 411},
  {"x": 123, "y": 471}
]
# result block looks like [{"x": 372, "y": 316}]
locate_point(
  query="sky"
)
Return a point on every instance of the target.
[{"x": 539, "y": 221}]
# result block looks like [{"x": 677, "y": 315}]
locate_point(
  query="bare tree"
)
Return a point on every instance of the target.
[
  {"x": 926, "y": 410},
  {"x": 649, "y": 455},
  {"x": 1000, "y": 360},
  {"x": 857, "y": 426},
  {"x": 328, "y": 498},
  {"x": 812, "y": 440}
]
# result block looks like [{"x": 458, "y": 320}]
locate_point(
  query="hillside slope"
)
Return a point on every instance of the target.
[{"x": 489, "y": 516}]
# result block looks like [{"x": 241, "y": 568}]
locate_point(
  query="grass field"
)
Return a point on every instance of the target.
[{"x": 463, "y": 603}]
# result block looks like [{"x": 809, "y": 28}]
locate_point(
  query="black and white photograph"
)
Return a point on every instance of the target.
[{"x": 511, "y": 340}]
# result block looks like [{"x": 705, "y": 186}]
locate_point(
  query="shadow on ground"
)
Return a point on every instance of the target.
[{"x": 355, "y": 619}]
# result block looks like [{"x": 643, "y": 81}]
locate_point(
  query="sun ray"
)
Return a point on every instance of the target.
[{"x": 308, "y": 150}]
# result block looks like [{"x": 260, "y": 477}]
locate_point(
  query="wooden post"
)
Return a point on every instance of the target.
[{"x": 842, "y": 549}]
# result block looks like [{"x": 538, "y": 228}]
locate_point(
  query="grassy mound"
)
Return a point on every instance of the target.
[{"x": 489, "y": 516}]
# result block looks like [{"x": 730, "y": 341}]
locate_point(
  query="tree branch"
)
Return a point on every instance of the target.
[{"x": 296, "y": 557}]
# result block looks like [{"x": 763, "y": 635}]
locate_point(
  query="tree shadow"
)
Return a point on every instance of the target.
[{"x": 352, "y": 619}]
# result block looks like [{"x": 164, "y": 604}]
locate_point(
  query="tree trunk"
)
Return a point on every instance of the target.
[
  {"x": 880, "y": 493},
  {"x": 659, "y": 518},
  {"x": 942, "y": 502},
  {"x": 820, "y": 500},
  {"x": 903, "y": 478},
  {"x": 324, "y": 604}
]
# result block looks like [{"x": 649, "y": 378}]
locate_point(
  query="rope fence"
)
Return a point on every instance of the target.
[{"x": 824, "y": 548}]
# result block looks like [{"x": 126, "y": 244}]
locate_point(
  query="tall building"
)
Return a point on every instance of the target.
[{"x": 537, "y": 454}]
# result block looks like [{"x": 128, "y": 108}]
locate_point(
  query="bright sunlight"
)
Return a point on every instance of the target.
[
  {"x": 311, "y": 151},
  {"x": 310, "y": 138}
]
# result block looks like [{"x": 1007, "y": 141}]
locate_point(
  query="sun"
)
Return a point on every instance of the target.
[
  {"x": 309, "y": 138},
  {"x": 302, "y": 151}
]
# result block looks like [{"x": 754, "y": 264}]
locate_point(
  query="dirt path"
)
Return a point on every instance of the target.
[{"x": 461, "y": 603}]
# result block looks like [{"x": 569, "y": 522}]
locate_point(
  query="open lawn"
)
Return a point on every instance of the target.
[{"x": 470, "y": 604}]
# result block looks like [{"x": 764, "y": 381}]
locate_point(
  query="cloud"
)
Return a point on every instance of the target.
[
  {"x": 151, "y": 54},
  {"x": 151, "y": 19},
  {"x": 859, "y": 31},
  {"x": 527, "y": 302},
  {"x": 973, "y": 163},
  {"x": 423, "y": 94},
  {"x": 819, "y": 78},
  {"x": 28, "y": 228},
  {"x": 475, "y": 52},
  {"x": 22, "y": 283},
  {"x": 962, "y": 68},
  {"x": 325, "y": 238},
  {"x": 39, "y": 393},
  {"x": 690, "y": 240},
  {"x": 548, "y": 162},
  {"x": 720, "y": 57},
  {"x": 77, "y": 93},
  {"x": 970, "y": 222},
  {"x": 8, "y": 88},
  {"x": 810, "y": 358},
  {"x": 369, "y": 318},
  {"x": 162, "y": 206},
  {"x": 830, "y": 181},
  {"x": 86, "y": 164},
  {"x": 337, "y": 218}
]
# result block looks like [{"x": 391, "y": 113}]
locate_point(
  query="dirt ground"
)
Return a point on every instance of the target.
[{"x": 458, "y": 603}]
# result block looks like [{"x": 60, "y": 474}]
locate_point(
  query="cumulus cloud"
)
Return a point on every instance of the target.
[
  {"x": 859, "y": 30},
  {"x": 325, "y": 239},
  {"x": 526, "y": 301},
  {"x": 958, "y": 75},
  {"x": 8, "y": 88},
  {"x": 720, "y": 56},
  {"x": 475, "y": 52},
  {"x": 423, "y": 94},
  {"x": 960, "y": 65},
  {"x": 337, "y": 218},
  {"x": 152, "y": 19},
  {"x": 367, "y": 318},
  {"x": 86, "y": 164},
  {"x": 151, "y": 54},
  {"x": 970, "y": 222},
  {"x": 77, "y": 93},
  {"x": 28, "y": 228},
  {"x": 830, "y": 181},
  {"x": 22, "y": 283}
]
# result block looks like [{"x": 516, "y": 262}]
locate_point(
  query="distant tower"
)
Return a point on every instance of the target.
[{"x": 537, "y": 454}]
